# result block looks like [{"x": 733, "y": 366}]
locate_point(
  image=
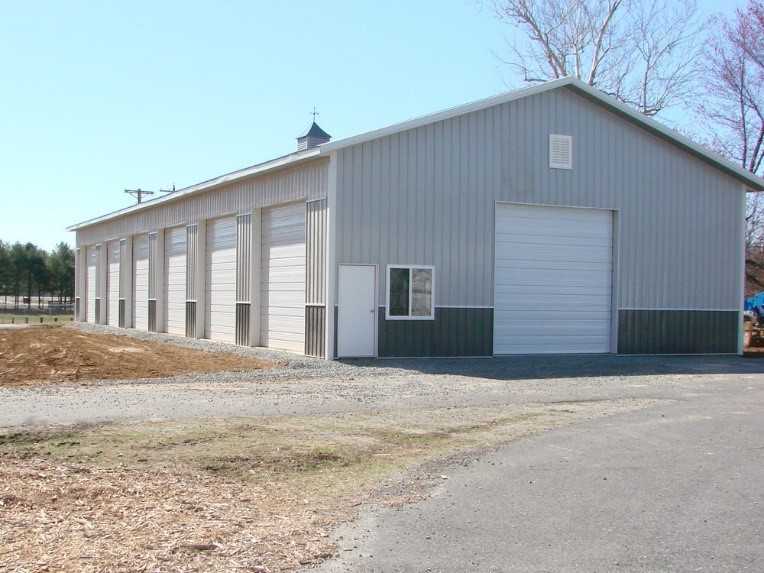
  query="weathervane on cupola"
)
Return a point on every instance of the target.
[{"x": 314, "y": 136}]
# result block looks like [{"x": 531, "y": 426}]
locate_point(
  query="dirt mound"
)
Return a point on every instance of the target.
[{"x": 55, "y": 354}]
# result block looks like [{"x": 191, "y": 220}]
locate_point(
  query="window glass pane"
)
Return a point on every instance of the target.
[
  {"x": 421, "y": 292},
  {"x": 399, "y": 292}
]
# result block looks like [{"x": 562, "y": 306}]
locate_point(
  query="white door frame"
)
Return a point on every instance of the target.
[{"x": 373, "y": 313}]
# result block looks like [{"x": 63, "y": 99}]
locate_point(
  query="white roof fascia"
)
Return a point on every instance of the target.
[
  {"x": 204, "y": 186},
  {"x": 751, "y": 180}
]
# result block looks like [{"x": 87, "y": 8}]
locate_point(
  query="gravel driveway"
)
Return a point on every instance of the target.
[{"x": 308, "y": 385}]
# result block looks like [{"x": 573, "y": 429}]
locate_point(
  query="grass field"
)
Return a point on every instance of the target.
[{"x": 12, "y": 317}]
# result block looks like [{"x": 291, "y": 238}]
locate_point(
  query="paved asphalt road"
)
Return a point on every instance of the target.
[{"x": 673, "y": 488}]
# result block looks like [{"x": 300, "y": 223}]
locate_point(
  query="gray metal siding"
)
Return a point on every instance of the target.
[
  {"x": 303, "y": 182},
  {"x": 243, "y": 257},
  {"x": 427, "y": 196},
  {"x": 315, "y": 331},
  {"x": 315, "y": 277},
  {"x": 315, "y": 235},
  {"x": 192, "y": 250}
]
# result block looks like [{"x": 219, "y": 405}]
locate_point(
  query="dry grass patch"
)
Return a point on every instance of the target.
[{"x": 245, "y": 494}]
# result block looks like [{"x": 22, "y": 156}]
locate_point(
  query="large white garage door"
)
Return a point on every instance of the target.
[
  {"x": 282, "y": 312},
  {"x": 112, "y": 287},
  {"x": 92, "y": 261},
  {"x": 553, "y": 280},
  {"x": 175, "y": 285},
  {"x": 220, "y": 314},
  {"x": 141, "y": 282}
]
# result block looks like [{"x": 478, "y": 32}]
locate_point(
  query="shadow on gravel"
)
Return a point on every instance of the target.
[{"x": 568, "y": 366}]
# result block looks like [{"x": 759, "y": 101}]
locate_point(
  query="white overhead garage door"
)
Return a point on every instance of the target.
[
  {"x": 175, "y": 284},
  {"x": 553, "y": 280},
  {"x": 112, "y": 287},
  {"x": 92, "y": 261},
  {"x": 220, "y": 312},
  {"x": 282, "y": 297},
  {"x": 141, "y": 282}
]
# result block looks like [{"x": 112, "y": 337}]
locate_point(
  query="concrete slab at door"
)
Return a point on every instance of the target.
[{"x": 357, "y": 316}]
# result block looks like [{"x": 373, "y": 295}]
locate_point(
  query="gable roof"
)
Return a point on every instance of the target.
[
  {"x": 584, "y": 90},
  {"x": 576, "y": 86}
]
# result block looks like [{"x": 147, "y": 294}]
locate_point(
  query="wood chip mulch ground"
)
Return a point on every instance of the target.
[{"x": 84, "y": 519}]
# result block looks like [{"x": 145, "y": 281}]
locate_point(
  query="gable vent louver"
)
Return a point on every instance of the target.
[{"x": 560, "y": 151}]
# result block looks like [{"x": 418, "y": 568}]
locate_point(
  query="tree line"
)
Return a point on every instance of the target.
[{"x": 29, "y": 273}]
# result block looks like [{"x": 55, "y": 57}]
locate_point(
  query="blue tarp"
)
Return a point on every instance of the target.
[{"x": 754, "y": 301}]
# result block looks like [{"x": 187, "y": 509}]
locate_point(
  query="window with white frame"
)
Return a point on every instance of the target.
[{"x": 409, "y": 292}]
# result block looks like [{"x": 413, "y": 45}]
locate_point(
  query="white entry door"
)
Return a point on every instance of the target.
[{"x": 357, "y": 313}]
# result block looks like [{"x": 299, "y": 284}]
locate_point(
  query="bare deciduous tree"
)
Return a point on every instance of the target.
[
  {"x": 734, "y": 72},
  {"x": 734, "y": 104},
  {"x": 640, "y": 51}
]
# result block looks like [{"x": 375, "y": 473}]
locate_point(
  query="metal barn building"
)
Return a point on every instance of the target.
[{"x": 552, "y": 219}]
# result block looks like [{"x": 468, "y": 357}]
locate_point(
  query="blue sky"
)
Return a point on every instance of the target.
[{"x": 98, "y": 97}]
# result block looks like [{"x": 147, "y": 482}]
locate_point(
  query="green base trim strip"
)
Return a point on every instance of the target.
[
  {"x": 453, "y": 332},
  {"x": 678, "y": 331}
]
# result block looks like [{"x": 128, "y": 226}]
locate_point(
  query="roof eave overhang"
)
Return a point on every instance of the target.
[{"x": 211, "y": 184}]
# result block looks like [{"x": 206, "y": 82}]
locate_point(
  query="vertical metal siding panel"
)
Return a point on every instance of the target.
[
  {"x": 477, "y": 189},
  {"x": 464, "y": 207},
  {"x": 393, "y": 205},
  {"x": 123, "y": 286},
  {"x": 310, "y": 261},
  {"x": 375, "y": 202},
  {"x": 152, "y": 265},
  {"x": 243, "y": 257},
  {"x": 358, "y": 191},
  {"x": 363, "y": 212},
  {"x": 316, "y": 252},
  {"x": 485, "y": 250},
  {"x": 421, "y": 206},
  {"x": 191, "y": 260},
  {"x": 407, "y": 199}
]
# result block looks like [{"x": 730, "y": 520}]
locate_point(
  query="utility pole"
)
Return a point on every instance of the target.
[{"x": 140, "y": 193}]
